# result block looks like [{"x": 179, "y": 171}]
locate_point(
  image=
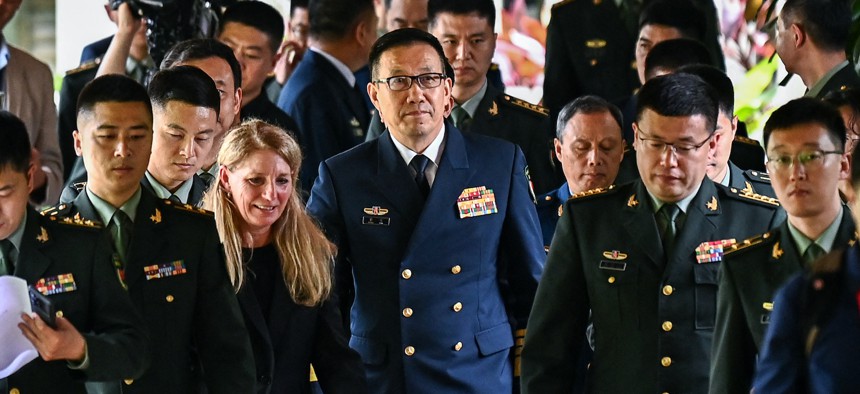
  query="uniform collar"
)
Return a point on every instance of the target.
[
  {"x": 339, "y": 65},
  {"x": 471, "y": 105},
  {"x": 825, "y": 240},
  {"x": 683, "y": 204},
  {"x": 105, "y": 210},
  {"x": 161, "y": 192}
]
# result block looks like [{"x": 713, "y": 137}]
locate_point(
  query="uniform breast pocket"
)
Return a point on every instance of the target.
[
  {"x": 166, "y": 296},
  {"x": 615, "y": 296},
  {"x": 705, "y": 276}
]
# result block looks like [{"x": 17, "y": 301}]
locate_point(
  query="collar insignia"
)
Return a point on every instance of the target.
[
  {"x": 156, "y": 218},
  {"x": 631, "y": 202},
  {"x": 712, "y": 205},
  {"x": 777, "y": 252},
  {"x": 43, "y": 235},
  {"x": 494, "y": 109}
]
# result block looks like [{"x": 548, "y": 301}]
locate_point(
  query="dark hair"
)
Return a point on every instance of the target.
[
  {"x": 678, "y": 14},
  {"x": 331, "y": 20},
  {"x": 297, "y": 4},
  {"x": 258, "y": 15},
  {"x": 405, "y": 37},
  {"x": 806, "y": 110},
  {"x": 678, "y": 95},
  {"x": 826, "y": 21},
  {"x": 588, "y": 104},
  {"x": 186, "y": 84},
  {"x": 849, "y": 97},
  {"x": 671, "y": 55},
  {"x": 112, "y": 88},
  {"x": 719, "y": 81},
  {"x": 14, "y": 143},
  {"x": 203, "y": 48},
  {"x": 484, "y": 8}
]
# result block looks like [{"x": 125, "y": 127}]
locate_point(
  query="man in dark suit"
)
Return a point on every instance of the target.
[
  {"x": 811, "y": 37},
  {"x": 322, "y": 95},
  {"x": 805, "y": 140},
  {"x": 642, "y": 259},
  {"x": 185, "y": 105},
  {"x": 177, "y": 282},
  {"x": 436, "y": 231},
  {"x": 465, "y": 29},
  {"x": 98, "y": 335},
  {"x": 253, "y": 30}
]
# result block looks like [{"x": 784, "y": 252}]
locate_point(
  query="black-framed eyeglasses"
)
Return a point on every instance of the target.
[
  {"x": 678, "y": 148},
  {"x": 810, "y": 159},
  {"x": 404, "y": 82}
]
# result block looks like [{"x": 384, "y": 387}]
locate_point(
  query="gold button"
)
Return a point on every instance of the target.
[
  {"x": 594, "y": 61},
  {"x": 457, "y": 307},
  {"x": 14, "y": 391},
  {"x": 169, "y": 298},
  {"x": 611, "y": 279},
  {"x": 666, "y": 361},
  {"x": 409, "y": 350},
  {"x": 59, "y": 314},
  {"x": 455, "y": 269},
  {"x": 407, "y": 312},
  {"x": 406, "y": 274},
  {"x": 667, "y": 290},
  {"x": 667, "y": 326},
  {"x": 458, "y": 346},
  {"x": 128, "y": 381}
]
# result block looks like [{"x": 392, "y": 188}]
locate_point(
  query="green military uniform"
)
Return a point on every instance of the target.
[
  {"x": 177, "y": 279},
  {"x": 846, "y": 77},
  {"x": 747, "y": 154},
  {"x": 752, "y": 273},
  {"x": 653, "y": 311},
  {"x": 511, "y": 119},
  {"x": 69, "y": 261}
]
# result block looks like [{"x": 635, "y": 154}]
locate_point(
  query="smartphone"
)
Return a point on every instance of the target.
[{"x": 43, "y": 307}]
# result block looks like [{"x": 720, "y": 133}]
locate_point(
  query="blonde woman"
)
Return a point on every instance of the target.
[{"x": 280, "y": 264}]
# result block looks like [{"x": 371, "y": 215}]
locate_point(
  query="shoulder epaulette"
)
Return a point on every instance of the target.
[
  {"x": 537, "y": 109},
  {"x": 89, "y": 65},
  {"x": 62, "y": 216},
  {"x": 757, "y": 176},
  {"x": 747, "y": 243},
  {"x": 746, "y": 195},
  {"x": 187, "y": 208},
  {"x": 591, "y": 193},
  {"x": 746, "y": 140}
]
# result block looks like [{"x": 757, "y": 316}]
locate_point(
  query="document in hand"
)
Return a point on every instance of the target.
[{"x": 15, "y": 350}]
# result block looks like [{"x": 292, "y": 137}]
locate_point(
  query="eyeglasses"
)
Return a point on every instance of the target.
[
  {"x": 808, "y": 159},
  {"x": 680, "y": 149},
  {"x": 404, "y": 82}
]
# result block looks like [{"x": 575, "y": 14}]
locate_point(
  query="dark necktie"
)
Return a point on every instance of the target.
[
  {"x": 667, "y": 215},
  {"x": 120, "y": 228},
  {"x": 175, "y": 199},
  {"x": 207, "y": 178},
  {"x": 419, "y": 164},
  {"x": 812, "y": 253},
  {"x": 461, "y": 118},
  {"x": 6, "y": 265}
]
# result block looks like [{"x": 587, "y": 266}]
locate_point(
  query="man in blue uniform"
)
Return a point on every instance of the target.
[
  {"x": 166, "y": 254},
  {"x": 436, "y": 231},
  {"x": 642, "y": 259},
  {"x": 589, "y": 146},
  {"x": 98, "y": 335},
  {"x": 322, "y": 95},
  {"x": 805, "y": 140}
]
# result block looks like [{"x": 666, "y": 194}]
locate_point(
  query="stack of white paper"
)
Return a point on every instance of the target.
[{"x": 15, "y": 350}]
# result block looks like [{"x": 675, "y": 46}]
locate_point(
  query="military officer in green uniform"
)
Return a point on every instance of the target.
[
  {"x": 166, "y": 254},
  {"x": 98, "y": 335},
  {"x": 643, "y": 258},
  {"x": 805, "y": 140},
  {"x": 465, "y": 29}
]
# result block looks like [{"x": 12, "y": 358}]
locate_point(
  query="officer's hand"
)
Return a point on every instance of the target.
[
  {"x": 64, "y": 343},
  {"x": 291, "y": 53}
]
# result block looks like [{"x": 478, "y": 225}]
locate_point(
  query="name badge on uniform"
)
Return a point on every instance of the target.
[
  {"x": 376, "y": 217},
  {"x": 56, "y": 284},
  {"x": 158, "y": 271},
  {"x": 712, "y": 251},
  {"x": 476, "y": 201},
  {"x": 612, "y": 265}
]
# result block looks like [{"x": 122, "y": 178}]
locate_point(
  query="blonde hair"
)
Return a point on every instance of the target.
[{"x": 306, "y": 254}]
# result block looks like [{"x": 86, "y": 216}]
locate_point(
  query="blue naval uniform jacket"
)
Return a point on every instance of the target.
[
  {"x": 549, "y": 209},
  {"x": 436, "y": 294}
]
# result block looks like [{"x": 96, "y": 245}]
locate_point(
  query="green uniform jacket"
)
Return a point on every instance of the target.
[
  {"x": 749, "y": 279},
  {"x": 97, "y": 306},
  {"x": 653, "y": 320},
  {"x": 198, "y": 335}
]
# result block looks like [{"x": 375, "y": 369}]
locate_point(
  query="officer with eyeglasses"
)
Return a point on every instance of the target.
[
  {"x": 465, "y": 29},
  {"x": 437, "y": 232},
  {"x": 642, "y": 258},
  {"x": 805, "y": 142}
]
